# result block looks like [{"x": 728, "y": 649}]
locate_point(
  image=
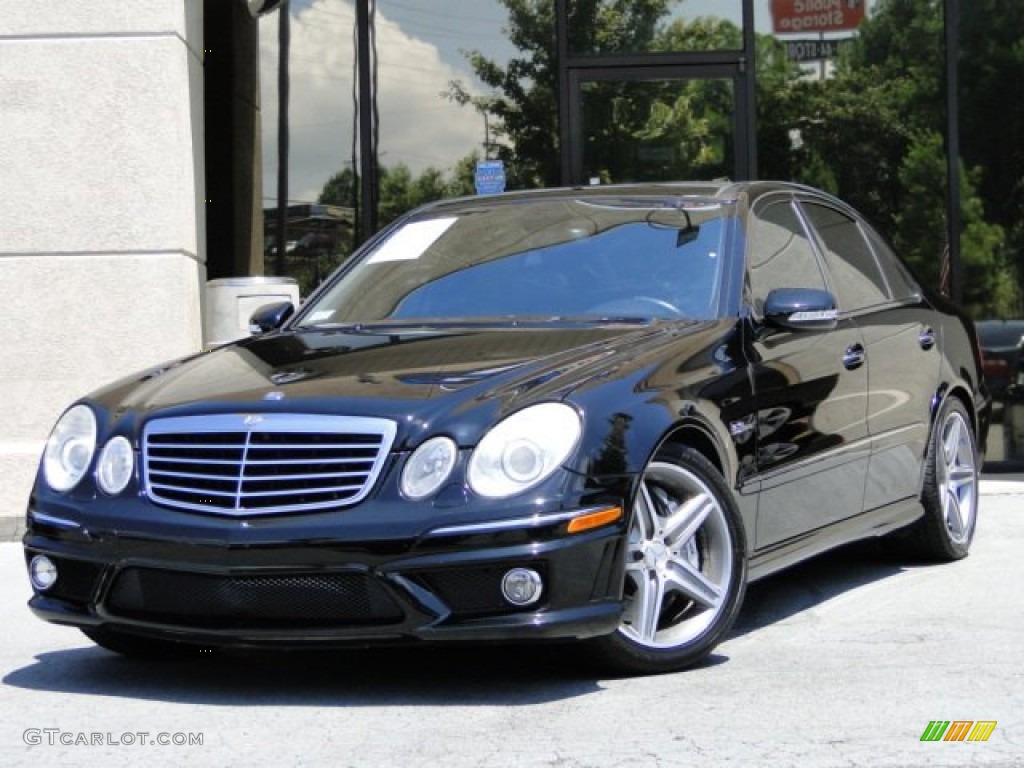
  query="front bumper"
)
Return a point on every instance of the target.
[{"x": 320, "y": 592}]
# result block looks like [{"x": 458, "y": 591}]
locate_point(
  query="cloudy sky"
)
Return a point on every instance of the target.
[
  {"x": 417, "y": 57},
  {"x": 420, "y": 46}
]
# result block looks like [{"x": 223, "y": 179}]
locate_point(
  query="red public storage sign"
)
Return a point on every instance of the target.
[{"x": 793, "y": 17}]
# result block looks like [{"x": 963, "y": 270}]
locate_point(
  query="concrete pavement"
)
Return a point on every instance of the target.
[
  {"x": 12, "y": 528},
  {"x": 843, "y": 661}
]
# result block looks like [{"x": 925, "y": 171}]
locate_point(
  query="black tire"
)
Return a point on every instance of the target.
[
  {"x": 139, "y": 647},
  {"x": 950, "y": 492},
  {"x": 695, "y": 528}
]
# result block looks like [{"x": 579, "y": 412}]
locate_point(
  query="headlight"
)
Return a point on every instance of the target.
[
  {"x": 428, "y": 467},
  {"x": 114, "y": 469},
  {"x": 70, "y": 448},
  {"x": 524, "y": 449}
]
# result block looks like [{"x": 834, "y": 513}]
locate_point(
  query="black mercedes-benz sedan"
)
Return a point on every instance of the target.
[{"x": 591, "y": 414}]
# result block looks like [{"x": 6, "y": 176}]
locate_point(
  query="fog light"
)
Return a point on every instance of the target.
[
  {"x": 42, "y": 572},
  {"x": 522, "y": 586}
]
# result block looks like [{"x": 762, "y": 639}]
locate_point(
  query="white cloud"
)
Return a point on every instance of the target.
[{"x": 417, "y": 126}]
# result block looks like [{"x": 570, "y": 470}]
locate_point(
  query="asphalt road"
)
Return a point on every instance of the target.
[{"x": 840, "y": 662}]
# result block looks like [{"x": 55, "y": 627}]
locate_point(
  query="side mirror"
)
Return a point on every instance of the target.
[
  {"x": 270, "y": 317},
  {"x": 801, "y": 309}
]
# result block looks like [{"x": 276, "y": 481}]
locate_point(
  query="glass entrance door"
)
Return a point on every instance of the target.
[{"x": 655, "y": 124}]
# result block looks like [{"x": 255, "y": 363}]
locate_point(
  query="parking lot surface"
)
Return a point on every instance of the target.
[{"x": 844, "y": 661}]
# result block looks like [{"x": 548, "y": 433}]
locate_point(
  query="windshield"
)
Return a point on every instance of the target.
[{"x": 587, "y": 259}]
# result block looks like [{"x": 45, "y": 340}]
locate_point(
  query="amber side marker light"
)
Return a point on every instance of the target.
[{"x": 594, "y": 519}]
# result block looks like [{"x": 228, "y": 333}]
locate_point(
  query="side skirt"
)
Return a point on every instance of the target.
[{"x": 877, "y": 522}]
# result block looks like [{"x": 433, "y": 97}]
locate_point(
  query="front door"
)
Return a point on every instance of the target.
[{"x": 810, "y": 387}]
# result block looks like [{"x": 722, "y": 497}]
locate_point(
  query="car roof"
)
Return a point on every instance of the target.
[{"x": 719, "y": 191}]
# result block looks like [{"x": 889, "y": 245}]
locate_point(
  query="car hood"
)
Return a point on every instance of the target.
[{"x": 421, "y": 379}]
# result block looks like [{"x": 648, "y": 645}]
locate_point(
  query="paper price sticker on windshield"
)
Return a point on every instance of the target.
[{"x": 411, "y": 241}]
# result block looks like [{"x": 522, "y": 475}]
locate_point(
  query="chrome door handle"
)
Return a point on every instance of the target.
[
  {"x": 854, "y": 357},
  {"x": 926, "y": 339}
]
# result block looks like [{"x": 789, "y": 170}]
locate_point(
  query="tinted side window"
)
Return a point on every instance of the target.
[
  {"x": 900, "y": 282},
  {"x": 780, "y": 254},
  {"x": 855, "y": 273}
]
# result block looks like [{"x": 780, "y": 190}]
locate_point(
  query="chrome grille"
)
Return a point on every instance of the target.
[{"x": 254, "y": 464}]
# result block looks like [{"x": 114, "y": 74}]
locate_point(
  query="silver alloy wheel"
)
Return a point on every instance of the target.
[
  {"x": 957, "y": 472},
  {"x": 679, "y": 562}
]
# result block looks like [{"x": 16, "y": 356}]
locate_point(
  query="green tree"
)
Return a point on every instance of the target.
[
  {"x": 522, "y": 99},
  {"x": 903, "y": 41},
  {"x": 462, "y": 181},
  {"x": 873, "y": 135},
  {"x": 992, "y": 121},
  {"x": 400, "y": 189},
  {"x": 854, "y": 139},
  {"x": 616, "y": 26},
  {"x": 781, "y": 103},
  {"x": 920, "y": 230},
  {"x": 684, "y": 127},
  {"x": 340, "y": 189},
  {"x": 693, "y": 117}
]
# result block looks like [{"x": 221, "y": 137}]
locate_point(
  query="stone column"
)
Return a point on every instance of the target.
[{"x": 102, "y": 242}]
